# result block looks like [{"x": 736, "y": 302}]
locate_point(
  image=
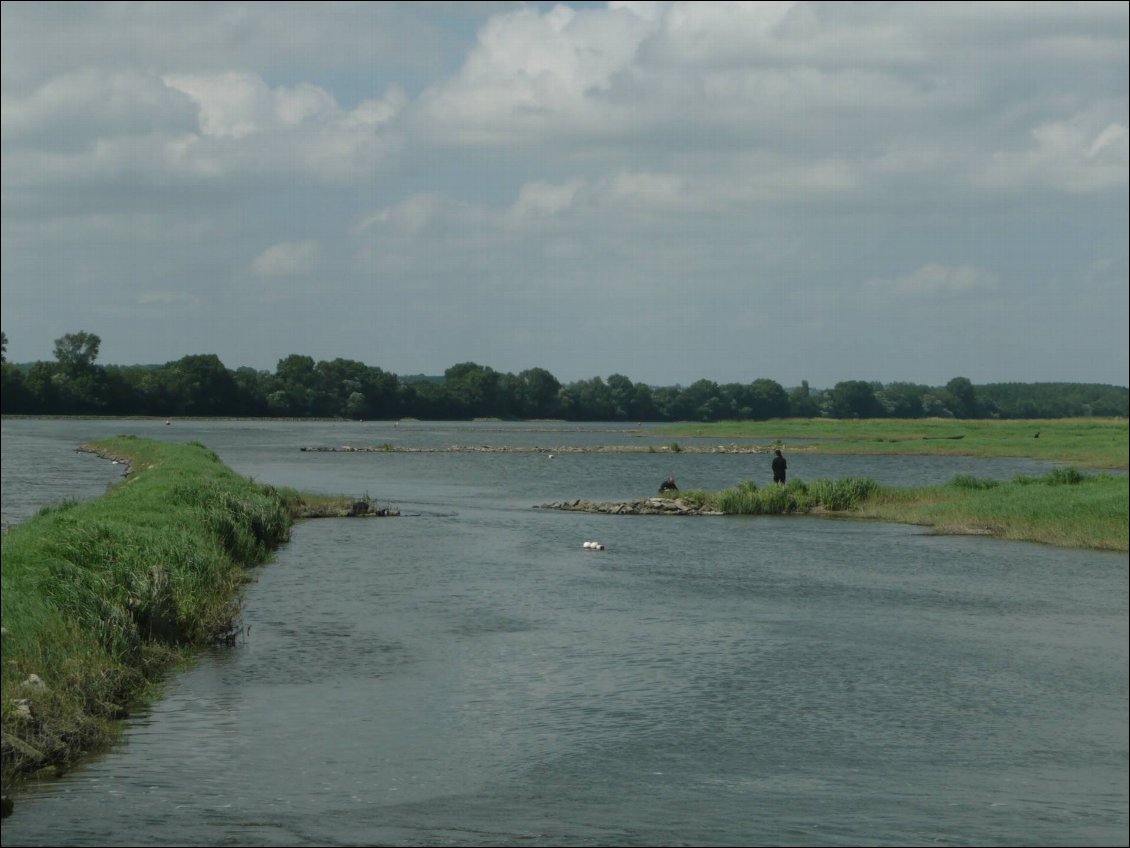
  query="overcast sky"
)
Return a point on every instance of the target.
[{"x": 670, "y": 191}]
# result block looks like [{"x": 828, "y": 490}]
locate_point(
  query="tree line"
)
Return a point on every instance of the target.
[{"x": 201, "y": 385}]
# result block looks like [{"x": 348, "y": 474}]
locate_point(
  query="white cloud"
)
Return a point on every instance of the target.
[
  {"x": 671, "y": 164},
  {"x": 539, "y": 198},
  {"x": 246, "y": 126},
  {"x": 287, "y": 259},
  {"x": 1086, "y": 152},
  {"x": 71, "y": 108},
  {"x": 935, "y": 280},
  {"x": 230, "y": 129},
  {"x": 231, "y": 105}
]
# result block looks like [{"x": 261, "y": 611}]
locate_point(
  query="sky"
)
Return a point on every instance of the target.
[{"x": 669, "y": 191}]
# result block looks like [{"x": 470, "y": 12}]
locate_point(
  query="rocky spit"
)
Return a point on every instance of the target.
[{"x": 640, "y": 506}]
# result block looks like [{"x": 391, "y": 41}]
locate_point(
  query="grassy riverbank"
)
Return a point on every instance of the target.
[
  {"x": 1063, "y": 507},
  {"x": 1090, "y": 442},
  {"x": 100, "y": 597}
]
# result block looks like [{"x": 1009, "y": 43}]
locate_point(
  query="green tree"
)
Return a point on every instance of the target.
[
  {"x": 855, "y": 399},
  {"x": 802, "y": 403},
  {"x": 903, "y": 400},
  {"x": 296, "y": 386},
  {"x": 15, "y": 398},
  {"x": 700, "y": 401},
  {"x": 643, "y": 406},
  {"x": 201, "y": 385},
  {"x": 80, "y": 384},
  {"x": 537, "y": 393},
  {"x": 76, "y": 352},
  {"x": 593, "y": 400},
  {"x": 473, "y": 388},
  {"x": 964, "y": 399},
  {"x": 768, "y": 399},
  {"x": 621, "y": 393}
]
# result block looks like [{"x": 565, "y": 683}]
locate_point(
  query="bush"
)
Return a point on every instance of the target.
[
  {"x": 968, "y": 481},
  {"x": 845, "y": 493},
  {"x": 1064, "y": 477},
  {"x": 1055, "y": 477}
]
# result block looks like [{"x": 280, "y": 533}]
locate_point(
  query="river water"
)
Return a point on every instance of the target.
[{"x": 468, "y": 674}]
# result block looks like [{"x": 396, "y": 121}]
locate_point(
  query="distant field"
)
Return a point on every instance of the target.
[{"x": 1090, "y": 442}]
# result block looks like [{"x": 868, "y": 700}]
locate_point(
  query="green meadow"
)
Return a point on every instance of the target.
[
  {"x": 1063, "y": 507},
  {"x": 1084, "y": 442}
]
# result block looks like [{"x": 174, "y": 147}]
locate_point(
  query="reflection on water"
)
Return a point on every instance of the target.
[{"x": 468, "y": 674}]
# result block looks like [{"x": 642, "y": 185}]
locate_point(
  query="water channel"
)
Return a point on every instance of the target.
[{"x": 468, "y": 674}]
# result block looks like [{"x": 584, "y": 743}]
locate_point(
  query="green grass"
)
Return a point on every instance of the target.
[
  {"x": 797, "y": 497},
  {"x": 1063, "y": 507},
  {"x": 98, "y": 598},
  {"x": 1088, "y": 442}
]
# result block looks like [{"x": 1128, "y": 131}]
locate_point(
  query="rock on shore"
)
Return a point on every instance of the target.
[{"x": 640, "y": 506}]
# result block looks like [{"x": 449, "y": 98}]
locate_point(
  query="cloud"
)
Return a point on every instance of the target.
[
  {"x": 229, "y": 129},
  {"x": 69, "y": 109},
  {"x": 1073, "y": 155},
  {"x": 717, "y": 171},
  {"x": 826, "y": 100},
  {"x": 167, "y": 298},
  {"x": 934, "y": 280},
  {"x": 184, "y": 37},
  {"x": 287, "y": 259}
]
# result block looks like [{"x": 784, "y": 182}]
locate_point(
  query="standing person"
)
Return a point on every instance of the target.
[{"x": 779, "y": 466}]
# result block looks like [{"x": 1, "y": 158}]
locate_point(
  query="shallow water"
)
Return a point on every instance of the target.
[{"x": 468, "y": 674}]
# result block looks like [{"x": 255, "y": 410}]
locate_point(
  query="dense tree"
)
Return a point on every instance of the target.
[
  {"x": 802, "y": 403},
  {"x": 963, "y": 399},
  {"x": 902, "y": 400},
  {"x": 643, "y": 406},
  {"x": 16, "y": 398},
  {"x": 537, "y": 393},
  {"x": 79, "y": 384},
  {"x": 472, "y": 388},
  {"x": 855, "y": 399},
  {"x": 699, "y": 402},
  {"x": 76, "y": 352},
  {"x": 593, "y": 400},
  {"x": 201, "y": 385},
  {"x": 768, "y": 399},
  {"x": 294, "y": 387}
]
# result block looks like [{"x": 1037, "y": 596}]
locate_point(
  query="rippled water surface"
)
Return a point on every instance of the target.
[{"x": 467, "y": 674}]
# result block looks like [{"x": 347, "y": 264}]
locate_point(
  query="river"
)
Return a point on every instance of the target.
[{"x": 468, "y": 674}]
